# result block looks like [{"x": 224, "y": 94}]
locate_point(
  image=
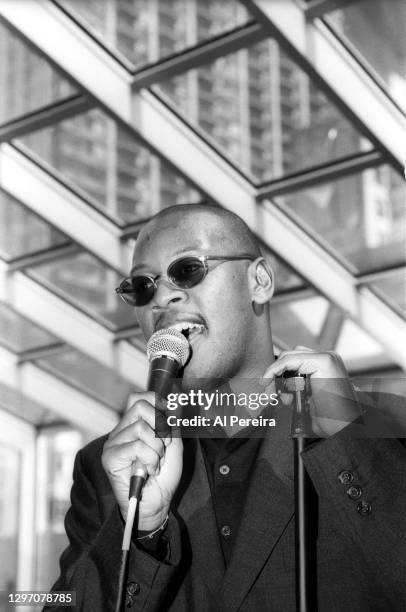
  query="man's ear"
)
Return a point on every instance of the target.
[{"x": 261, "y": 281}]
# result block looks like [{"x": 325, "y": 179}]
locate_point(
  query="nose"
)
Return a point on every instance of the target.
[{"x": 167, "y": 293}]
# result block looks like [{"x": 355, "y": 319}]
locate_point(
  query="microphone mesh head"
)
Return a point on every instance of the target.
[{"x": 168, "y": 342}]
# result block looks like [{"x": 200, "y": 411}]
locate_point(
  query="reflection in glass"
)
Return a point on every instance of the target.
[
  {"x": 90, "y": 376},
  {"x": 27, "y": 81},
  {"x": 146, "y": 31},
  {"x": 19, "y": 334},
  {"x": 393, "y": 290},
  {"x": 9, "y": 512},
  {"x": 22, "y": 232},
  {"x": 299, "y": 322},
  {"x": 108, "y": 163},
  {"x": 362, "y": 216},
  {"x": 22, "y": 406},
  {"x": 377, "y": 30},
  {"x": 56, "y": 452},
  {"x": 263, "y": 112},
  {"x": 84, "y": 281}
]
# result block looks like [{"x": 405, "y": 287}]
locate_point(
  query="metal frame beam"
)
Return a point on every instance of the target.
[
  {"x": 54, "y": 394},
  {"x": 45, "y": 117},
  {"x": 200, "y": 55},
  {"x": 323, "y": 174},
  {"x": 73, "y": 327},
  {"x": 318, "y": 8},
  {"x": 44, "y": 195},
  {"x": 156, "y": 124},
  {"x": 350, "y": 83}
]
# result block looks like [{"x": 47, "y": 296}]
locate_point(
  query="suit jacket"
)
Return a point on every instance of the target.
[{"x": 361, "y": 557}]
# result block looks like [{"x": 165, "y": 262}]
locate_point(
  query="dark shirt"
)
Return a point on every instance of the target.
[{"x": 229, "y": 463}]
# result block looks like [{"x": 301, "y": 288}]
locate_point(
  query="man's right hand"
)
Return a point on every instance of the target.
[{"x": 134, "y": 438}]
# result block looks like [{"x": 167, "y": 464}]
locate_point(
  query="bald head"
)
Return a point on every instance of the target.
[{"x": 224, "y": 228}]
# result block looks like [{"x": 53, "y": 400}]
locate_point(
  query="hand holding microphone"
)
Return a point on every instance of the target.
[{"x": 133, "y": 447}]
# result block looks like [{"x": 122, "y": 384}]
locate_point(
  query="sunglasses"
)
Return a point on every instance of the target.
[{"x": 184, "y": 273}]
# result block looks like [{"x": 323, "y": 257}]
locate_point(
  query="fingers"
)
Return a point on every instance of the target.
[
  {"x": 144, "y": 408},
  {"x": 295, "y": 361},
  {"x": 302, "y": 360},
  {"x": 135, "y": 437},
  {"x": 140, "y": 430}
]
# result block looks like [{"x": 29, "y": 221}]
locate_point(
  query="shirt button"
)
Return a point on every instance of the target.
[
  {"x": 354, "y": 492},
  {"x": 364, "y": 508},
  {"x": 345, "y": 477},
  {"x": 224, "y": 470},
  {"x": 226, "y": 531}
]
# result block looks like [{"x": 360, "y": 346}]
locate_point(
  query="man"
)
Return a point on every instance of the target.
[{"x": 216, "y": 521}]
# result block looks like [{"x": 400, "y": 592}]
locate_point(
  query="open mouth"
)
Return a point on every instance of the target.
[{"x": 190, "y": 330}]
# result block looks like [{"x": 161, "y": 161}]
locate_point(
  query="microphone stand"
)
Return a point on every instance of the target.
[{"x": 305, "y": 498}]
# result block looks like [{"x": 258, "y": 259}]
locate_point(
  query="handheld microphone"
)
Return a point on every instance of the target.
[{"x": 167, "y": 351}]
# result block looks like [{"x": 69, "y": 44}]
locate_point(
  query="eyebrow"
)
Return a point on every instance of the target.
[{"x": 193, "y": 247}]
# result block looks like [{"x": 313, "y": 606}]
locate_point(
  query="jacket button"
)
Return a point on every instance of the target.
[
  {"x": 133, "y": 588},
  {"x": 226, "y": 531},
  {"x": 364, "y": 508},
  {"x": 224, "y": 470},
  {"x": 345, "y": 477},
  {"x": 354, "y": 492}
]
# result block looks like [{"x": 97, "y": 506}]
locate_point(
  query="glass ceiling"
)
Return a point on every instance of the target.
[
  {"x": 18, "y": 334},
  {"x": 110, "y": 166},
  {"x": 286, "y": 123},
  {"x": 88, "y": 375},
  {"x": 84, "y": 281},
  {"x": 393, "y": 289},
  {"x": 377, "y": 29},
  {"x": 22, "y": 232},
  {"x": 361, "y": 217},
  {"x": 131, "y": 27},
  {"x": 25, "y": 408},
  {"x": 268, "y": 117},
  {"x": 27, "y": 81}
]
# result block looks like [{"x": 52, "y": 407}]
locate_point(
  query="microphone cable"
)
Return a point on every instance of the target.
[{"x": 136, "y": 484}]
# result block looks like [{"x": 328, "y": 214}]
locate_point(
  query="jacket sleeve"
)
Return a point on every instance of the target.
[
  {"x": 360, "y": 486},
  {"x": 90, "y": 564}
]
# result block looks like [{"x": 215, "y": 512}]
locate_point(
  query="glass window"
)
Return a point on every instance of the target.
[
  {"x": 22, "y": 232},
  {"x": 298, "y": 322},
  {"x": 19, "y": 334},
  {"x": 362, "y": 217},
  {"x": 85, "y": 282},
  {"x": 358, "y": 349},
  {"x": 57, "y": 448},
  {"x": 146, "y": 31},
  {"x": 107, "y": 163},
  {"x": 377, "y": 30},
  {"x": 27, "y": 81},
  {"x": 9, "y": 515},
  {"x": 263, "y": 112},
  {"x": 16, "y": 403},
  {"x": 392, "y": 288},
  {"x": 90, "y": 376}
]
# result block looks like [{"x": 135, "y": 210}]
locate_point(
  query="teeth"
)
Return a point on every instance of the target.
[{"x": 186, "y": 325}]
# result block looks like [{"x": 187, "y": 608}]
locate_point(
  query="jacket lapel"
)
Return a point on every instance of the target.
[{"x": 268, "y": 510}]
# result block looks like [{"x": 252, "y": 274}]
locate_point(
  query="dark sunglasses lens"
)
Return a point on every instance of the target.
[
  {"x": 142, "y": 289},
  {"x": 187, "y": 272}
]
